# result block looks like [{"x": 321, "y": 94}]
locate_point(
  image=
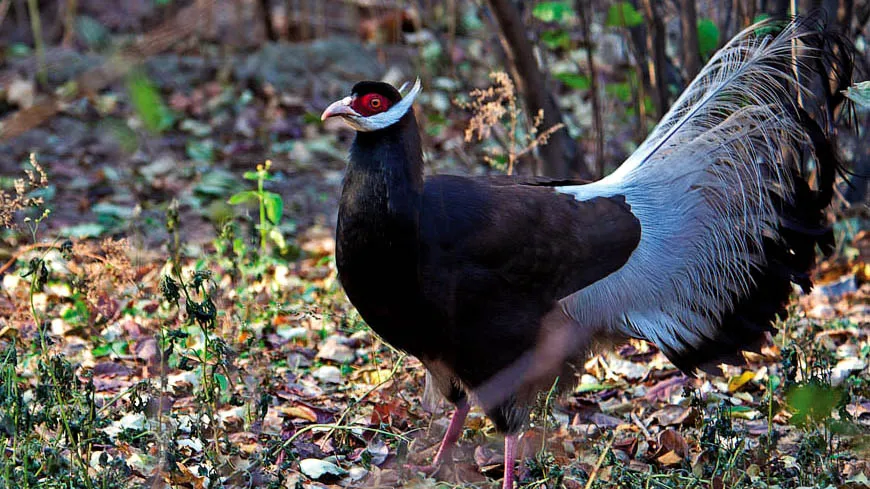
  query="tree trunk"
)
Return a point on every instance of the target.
[
  {"x": 845, "y": 14},
  {"x": 745, "y": 13},
  {"x": 861, "y": 18},
  {"x": 598, "y": 170},
  {"x": 266, "y": 17},
  {"x": 655, "y": 43},
  {"x": 691, "y": 49},
  {"x": 779, "y": 8},
  {"x": 561, "y": 159}
]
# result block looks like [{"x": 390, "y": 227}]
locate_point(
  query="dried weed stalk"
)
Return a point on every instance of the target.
[
  {"x": 110, "y": 267},
  {"x": 495, "y": 107},
  {"x": 19, "y": 199}
]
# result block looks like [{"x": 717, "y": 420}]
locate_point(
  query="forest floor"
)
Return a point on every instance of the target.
[{"x": 155, "y": 330}]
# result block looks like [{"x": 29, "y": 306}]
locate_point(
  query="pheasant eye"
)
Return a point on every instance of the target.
[{"x": 370, "y": 104}]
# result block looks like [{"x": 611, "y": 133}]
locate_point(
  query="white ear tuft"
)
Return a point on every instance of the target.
[{"x": 388, "y": 118}]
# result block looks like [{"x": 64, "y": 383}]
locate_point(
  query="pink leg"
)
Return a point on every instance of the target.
[
  {"x": 454, "y": 429},
  {"x": 510, "y": 455}
]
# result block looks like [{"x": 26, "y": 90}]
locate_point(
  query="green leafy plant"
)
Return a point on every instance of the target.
[
  {"x": 552, "y": 11},
  {"x": 574, "y": 80},
  {"x": 623, "y": 14},
  {"x": 270, "y": 204},
  {"x": 148, "y": 103},
  {"x": 708, "y": 37}
]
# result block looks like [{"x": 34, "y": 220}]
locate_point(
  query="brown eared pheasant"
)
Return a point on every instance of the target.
[{"x": 500, "y": 285}]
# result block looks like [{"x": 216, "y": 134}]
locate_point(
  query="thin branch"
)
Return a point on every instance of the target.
[{"x": 594, "y": 475}]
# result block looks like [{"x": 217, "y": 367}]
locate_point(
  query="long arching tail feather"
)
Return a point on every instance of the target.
[{"x": 730, "y": 189}]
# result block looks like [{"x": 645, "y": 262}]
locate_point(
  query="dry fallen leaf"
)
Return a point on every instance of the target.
[
  {"x": 670, "y": 458},
  {"x": 299, "y": 411},
  {"x": 735, "y": 383}
]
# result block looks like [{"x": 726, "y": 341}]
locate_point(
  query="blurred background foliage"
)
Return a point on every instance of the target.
[
  {"x": 140, "y": 100},
  {"x": 132, "y": 104}
]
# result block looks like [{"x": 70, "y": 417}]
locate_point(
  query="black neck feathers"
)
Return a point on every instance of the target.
[
  {"x": 377, "y": 243},
  {"x": 385, "y": 174}
]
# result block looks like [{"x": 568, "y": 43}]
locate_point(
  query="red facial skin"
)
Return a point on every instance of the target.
[{"x": 370, "y": 104}]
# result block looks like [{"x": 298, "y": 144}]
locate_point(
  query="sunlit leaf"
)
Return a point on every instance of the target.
[
  {"x": 623, "y": 14},
  {"x": 148, "y": 103},
  {"x": 621, "y": 91},
  {"x": 243, "y": 197},
  {"x": 575, "y": 81},
  {"x": 551, "y": 11},
  {"x": 556, "y": 39},
  {"x": 812, "y": 402},
  {"x": 708, "y": 37},
  {"x": 739, "y": 381},
  {"x": 743, "y": 412},
  {"x": 274, "y": 207},
  {"x": 222, "y": 381},
  {"x": 277, "y": 238},
  {"x": 101, "y": 350},
  {"x": 315, "y": 469}
]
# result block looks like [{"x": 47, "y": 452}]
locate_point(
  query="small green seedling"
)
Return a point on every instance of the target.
[{"x": 271, "y": 206}]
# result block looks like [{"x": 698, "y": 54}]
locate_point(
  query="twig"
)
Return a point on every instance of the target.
[
  {"x": 598, "y": 464},
  {"x": 36, "y": 28},
  {"x": 69, "y": 23},
  {"x": 636, "y": 420},
  {"x": 361, "y": 398},
  {"x": 538, "y": 141},
  {"x": 21, "y": 252}
]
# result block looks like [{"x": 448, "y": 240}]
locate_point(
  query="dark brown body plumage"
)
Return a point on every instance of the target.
[{"x": 461, "y": 272}]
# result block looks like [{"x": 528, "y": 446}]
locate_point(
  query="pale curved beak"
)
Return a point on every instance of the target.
[{"x": 341, "y": 107}]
